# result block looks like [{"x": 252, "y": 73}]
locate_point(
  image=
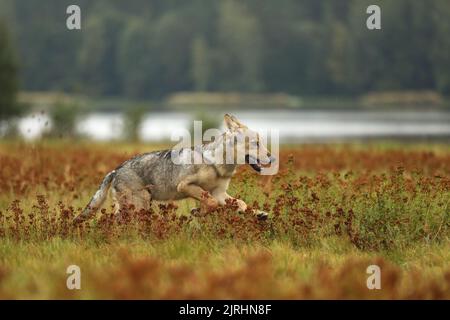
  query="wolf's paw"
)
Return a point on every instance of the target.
[{"x": 262, "y": 216}]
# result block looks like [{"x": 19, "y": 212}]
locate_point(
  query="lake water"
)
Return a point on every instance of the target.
[{"x": 293, "y": 126}]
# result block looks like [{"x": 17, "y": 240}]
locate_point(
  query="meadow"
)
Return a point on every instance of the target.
[{"x": 334, "y": 210}]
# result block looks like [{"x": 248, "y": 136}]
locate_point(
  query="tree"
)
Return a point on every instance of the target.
[
  {"x": 241, "y": 48},
  {"x": 200, "y": 64},
  {"x": 174, "y": 32},
  {"x": 98, "y": 52},
  {"x": 441, "y": 45},
  {"x": 152, "y": 48},
  {"x": 8, "y": 75},
  {"x": 134, "y": 59},
  {"x": 338, "y": 57}
]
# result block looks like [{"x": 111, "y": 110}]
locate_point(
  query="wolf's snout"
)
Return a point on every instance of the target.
[
  {"x": 272, "y": 159},
  {"x": 268, "y": 160}
]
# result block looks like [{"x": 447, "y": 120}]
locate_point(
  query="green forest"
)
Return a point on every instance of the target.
[{"x": 147, "y": 49}]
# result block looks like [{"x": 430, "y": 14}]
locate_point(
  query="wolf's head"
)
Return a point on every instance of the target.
[{"x": 246, "y": 143}]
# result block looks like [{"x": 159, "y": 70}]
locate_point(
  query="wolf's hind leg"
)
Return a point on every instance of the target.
[
  {"x": 130, "y": 193},
  {"x": 115, "y": 200},
  {"x": 136, "y": 200}
]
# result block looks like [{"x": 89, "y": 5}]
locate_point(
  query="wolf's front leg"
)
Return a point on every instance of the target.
[
  {"x": 222, "y": 197},
  {"x": 207, "y": 202}
]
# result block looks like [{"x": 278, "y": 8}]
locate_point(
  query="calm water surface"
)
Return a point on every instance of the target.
[{"x": 293, "y": 126}]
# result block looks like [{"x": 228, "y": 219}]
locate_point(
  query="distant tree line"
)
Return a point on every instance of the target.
[
  {"x": 8, "y": 75},
  {"x": 151, "y": 48}
]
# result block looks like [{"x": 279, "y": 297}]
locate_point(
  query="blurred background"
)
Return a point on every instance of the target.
[{"x": 140, "y": 69}]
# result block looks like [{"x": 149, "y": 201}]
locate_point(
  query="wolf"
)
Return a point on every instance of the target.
[{"x": 166, "y": 175}]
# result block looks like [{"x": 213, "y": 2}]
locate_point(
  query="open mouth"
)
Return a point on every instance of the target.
[{"x": 253, "y": 162}]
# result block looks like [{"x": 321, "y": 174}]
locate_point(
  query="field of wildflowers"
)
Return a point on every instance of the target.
[{"x": 334, "y": 210}]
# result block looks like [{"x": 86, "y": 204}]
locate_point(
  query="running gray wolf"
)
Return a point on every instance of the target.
[{"x": 156, "y": 176}]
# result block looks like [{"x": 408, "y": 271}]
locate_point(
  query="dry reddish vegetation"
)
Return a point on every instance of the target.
[
  {"x": 375, "y": 200},
  {"x": 153, "y": 278},
  {"x": 71, "y": 169}
]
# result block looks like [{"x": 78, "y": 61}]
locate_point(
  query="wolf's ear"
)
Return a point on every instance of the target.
[
  {"x": 229, "y": 122},
  {"x": 233, "y": 123},
  {"x": 240, "y": 124}
]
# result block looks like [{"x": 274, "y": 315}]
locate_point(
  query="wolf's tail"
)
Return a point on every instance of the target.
[{"x": 97, "y": 200}]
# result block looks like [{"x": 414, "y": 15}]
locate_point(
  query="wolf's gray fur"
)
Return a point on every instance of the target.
[
  {"x": 99, "y": 196},
  {"x": 155, "y": 176}
]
